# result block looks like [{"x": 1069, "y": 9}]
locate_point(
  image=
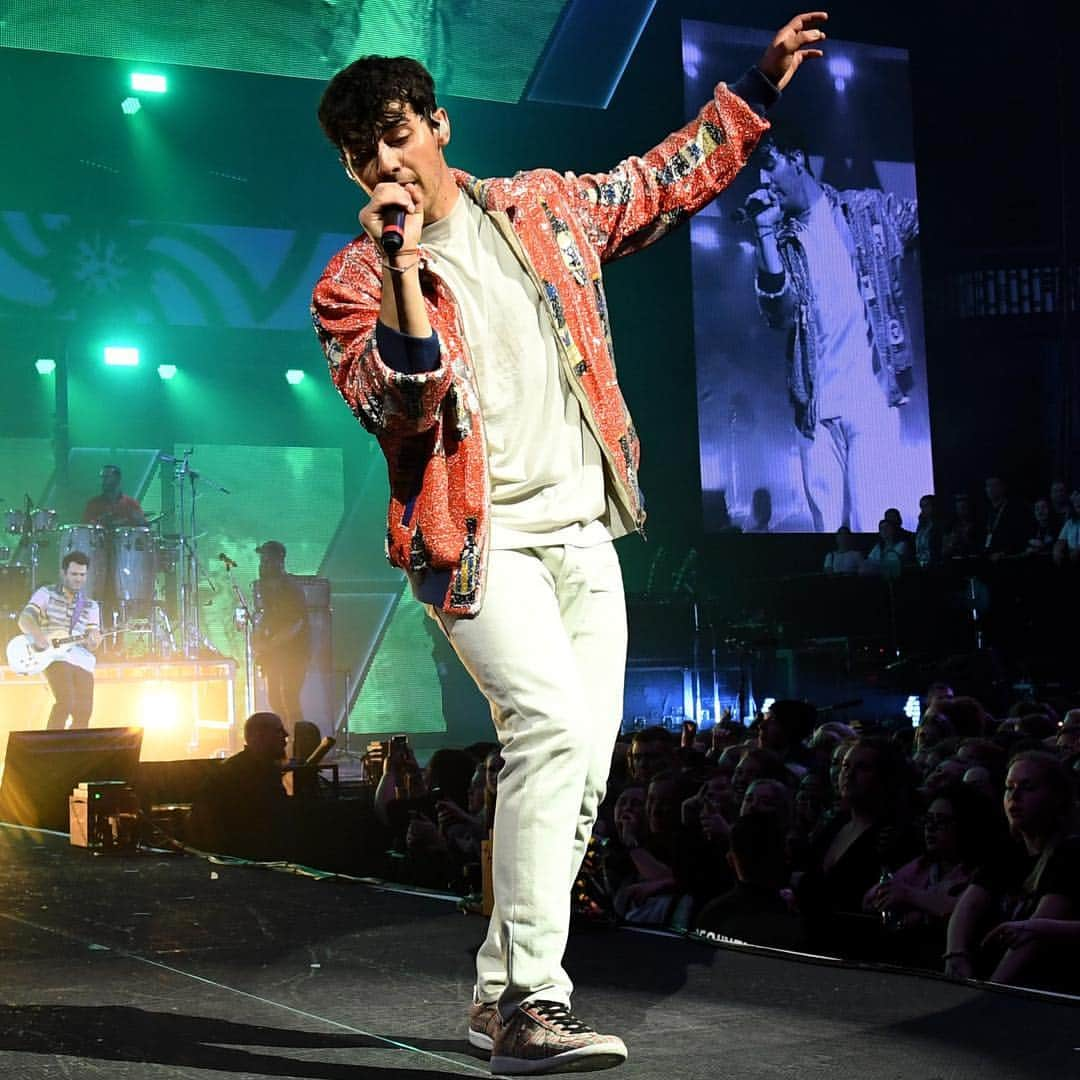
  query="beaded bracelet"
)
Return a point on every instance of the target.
[{"x": 400, "y": 269}]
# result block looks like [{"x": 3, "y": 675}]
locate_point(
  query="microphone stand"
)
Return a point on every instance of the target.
[
  {"x": 243, "y": 608},
  {"x": 189, "y": 566}
]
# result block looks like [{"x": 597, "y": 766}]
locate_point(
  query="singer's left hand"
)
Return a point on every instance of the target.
[{"x": 792, "y": 46}]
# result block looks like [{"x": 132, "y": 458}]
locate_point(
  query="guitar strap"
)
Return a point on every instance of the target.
[{"x": 77, "y": 611}]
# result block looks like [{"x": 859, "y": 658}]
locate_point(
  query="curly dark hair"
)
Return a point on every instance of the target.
[{"x": 355, "y": 106}]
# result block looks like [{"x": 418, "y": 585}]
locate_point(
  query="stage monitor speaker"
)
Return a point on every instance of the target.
[{"x": 42, "y": 767}]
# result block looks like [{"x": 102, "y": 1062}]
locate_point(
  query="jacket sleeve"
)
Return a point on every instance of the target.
[
  {"x": 394, "y": 384},
  {"x": 643, "y": 198},
  {"x": 904, "y": 214}
]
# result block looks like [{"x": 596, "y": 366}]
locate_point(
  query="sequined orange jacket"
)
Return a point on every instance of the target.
[{"x": 563, "y": 227}]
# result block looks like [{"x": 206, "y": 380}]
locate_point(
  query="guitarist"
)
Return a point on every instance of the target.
[{"x": 63, "y": 611}]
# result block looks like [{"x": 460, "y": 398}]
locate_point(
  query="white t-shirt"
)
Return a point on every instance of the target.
[
  {"x": 845, "y": 379},
  {"x": 545, "y": 465},
  {"x": 61, "y": 614},
  {"x": 1070, "y": 533}
]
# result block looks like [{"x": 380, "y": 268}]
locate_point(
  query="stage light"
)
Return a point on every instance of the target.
[
  {"x": 294, "y": 376},
  {"x": 841, "y": 69},
  {"x": 130, "y": 106},
  {"x": 149, "y": 84},
  {"x": 121, "y": 356},
  {"x": 166, "y": 371},
  {"x": 158, "y": 708},
  {"x": 913, "y": 709},
  {"x": 45, "y": 365}
]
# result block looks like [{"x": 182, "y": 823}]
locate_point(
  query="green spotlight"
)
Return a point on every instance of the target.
[
  {"x": 121, "y": 356},
  {"x": 148, "y": 84},
  {"x": 45, "y": 365},
  {"x": 294, "y": 376},
  {"x": 130, "y": 106},
  {"x": 166, "y": 371}
]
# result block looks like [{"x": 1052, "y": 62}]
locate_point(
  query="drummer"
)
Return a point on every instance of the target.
[
  {"x": 112, "y": 507},
  {"x": 60, "y": 611}
]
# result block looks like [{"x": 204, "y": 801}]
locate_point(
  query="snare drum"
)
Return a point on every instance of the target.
[
  {"x": 92, "y": 541},
  {"x": 134, "y": 563}
]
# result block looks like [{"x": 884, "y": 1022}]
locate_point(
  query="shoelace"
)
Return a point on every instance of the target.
[{"x": 560, "y": 1016}]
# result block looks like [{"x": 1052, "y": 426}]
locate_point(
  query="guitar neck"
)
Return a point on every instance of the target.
[{"x": 77, "y": 639}]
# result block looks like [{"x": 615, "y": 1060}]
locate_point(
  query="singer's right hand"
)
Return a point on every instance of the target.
[
  {"x": 385, "y": 196},
  {"x": 771, "y": 216}
]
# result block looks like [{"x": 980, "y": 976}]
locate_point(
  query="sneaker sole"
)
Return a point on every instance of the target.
[
  {"x": 585, "y": 1059},
  {"x": 481, "y": 1040}
]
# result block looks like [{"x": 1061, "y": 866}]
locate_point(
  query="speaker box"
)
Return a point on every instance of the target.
[{"x": 42, "y": 767}]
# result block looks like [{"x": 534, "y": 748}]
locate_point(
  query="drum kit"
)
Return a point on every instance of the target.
[
  {"x": 132, "y": 569},
  {"x": 123, "y": 574}
]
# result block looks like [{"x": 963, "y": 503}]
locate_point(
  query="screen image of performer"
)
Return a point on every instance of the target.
[
  {"x": 282, "y": 640},
  {"x": 112, "y": 507},
  {"x": 829, "y": 273},
  {"x": 64, "y": 611},
  {"x": 476, "y": 348}
]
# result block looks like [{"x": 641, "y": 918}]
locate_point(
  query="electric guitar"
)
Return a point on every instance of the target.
[{"x": 25, "y": 658}]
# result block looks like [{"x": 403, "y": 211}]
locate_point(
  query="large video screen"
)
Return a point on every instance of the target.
[{"x": 808, "y": 324}]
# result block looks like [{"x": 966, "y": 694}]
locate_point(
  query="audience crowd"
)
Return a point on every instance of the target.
[
  {"x": 951, "y": 846},
  {"x": 1006, "y": 528}
]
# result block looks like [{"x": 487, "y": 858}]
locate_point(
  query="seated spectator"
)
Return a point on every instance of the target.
[
  {"x": 968, "y": 718},
  {"x": 871, "y": 830},
  {"x": 812, "y": 798},
  {"x": 769, "y": 797},
  {"x": 934, "y": 728},
  {"x": 671, "y": 873},
  {"x": 918, "y": 899},
  {"x": 894, "y": 516},
  {"x": 783, "y": 726},
  {"x": 652, "y": 751},
  {"x": 1041, "y": 531},
  {"x": 845, "y": 558},
  {"x": 961, "y": 539},
  {"x": 938, "y": 691},
  {"x": 1067, "y": 739},
  {"x": 1006, "y": 522},
  {"x": 825, "y": 739},
  {"x": 929, "y": 535},
  {"x": 243, "y": 809},
  {"x": 755, "y": 910},
  {"x": 890, "y": 554},
  {"x": 945, "y": 774},
  {"x": 982, "y": 780},
  {"x": 1067, "y": 545},
  {"x": 1036, "y": 877},
  {"x": 757, "y": 764},
  {"x": 1060, "y": 503},
  {"x": 712, "y": 809}
]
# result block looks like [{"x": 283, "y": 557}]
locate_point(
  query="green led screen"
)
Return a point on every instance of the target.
[{"x": 475, "y": 48}]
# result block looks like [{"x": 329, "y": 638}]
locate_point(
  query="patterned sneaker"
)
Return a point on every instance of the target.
[
  {"x": 546, "y": 1037},
  {"x": 484, "y": 1024}
]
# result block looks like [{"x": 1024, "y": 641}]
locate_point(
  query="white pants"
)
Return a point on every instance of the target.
[
  {"x": 548, "y": 651},
  {"x": 849, "y": 468}
]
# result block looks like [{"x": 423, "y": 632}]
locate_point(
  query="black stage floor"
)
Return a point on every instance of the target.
[{"x": 160, "y": 966}]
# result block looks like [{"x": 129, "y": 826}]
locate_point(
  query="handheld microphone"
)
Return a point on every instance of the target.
[
  {"x": 229, "y": 563},
  {"x": 393, "y": 230},
  {"x": 749, "y": 209}
]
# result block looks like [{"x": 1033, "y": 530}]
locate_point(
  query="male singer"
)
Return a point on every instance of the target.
[{"x": 477, "y": 350}]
